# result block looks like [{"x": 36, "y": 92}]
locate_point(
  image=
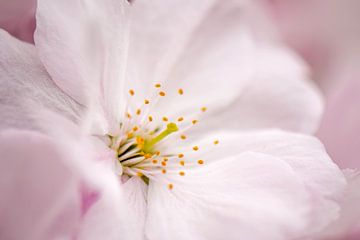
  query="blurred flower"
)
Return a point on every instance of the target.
[{"x": 164, "y": 131}]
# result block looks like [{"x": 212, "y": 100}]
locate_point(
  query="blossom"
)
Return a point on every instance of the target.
[{"x": 164, "y": 132}]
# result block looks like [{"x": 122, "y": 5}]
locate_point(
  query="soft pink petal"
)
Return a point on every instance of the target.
[
  {"x": 26, "y": 87},
  {"x": 40, "y": 196},
  {"x": 83, "y": 46},
  {"x": 246, "y": 196}
]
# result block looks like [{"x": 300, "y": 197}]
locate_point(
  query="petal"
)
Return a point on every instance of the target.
[
  {"x": 305, "y": 155},
  {"x": 279, "y": 95},
  {"x": 230, "y": 199},
  {"x": 25, "y": 87},
  {"x": 82, "y": 45},
  {"x": 40, "y": 196},
  {"x": 202, "y": 48}
]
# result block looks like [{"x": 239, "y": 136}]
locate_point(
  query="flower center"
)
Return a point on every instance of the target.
[{"x": 143, "y": 144}]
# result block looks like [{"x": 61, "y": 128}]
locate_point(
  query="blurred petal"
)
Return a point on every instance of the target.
[
  {"x": 83, "y": 46},
  {"x": 230, "y": 199},
  {"x": 40, "y": 197},
  {"x": 26, "y": 87},
  {"x": 18, "y": 18}
]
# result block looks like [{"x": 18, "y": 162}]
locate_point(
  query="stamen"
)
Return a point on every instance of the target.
[
  {"x": 183, "y": 137},
  {"x": 163, "y": 163},
  {"x": 138, "y": 111},
  {"x": 203, "y": 109},
  {"x": 146, "y": 101},
  {"x": 170, "y": 128},
  {"x": 182, "y": 163},
  {"x": 180, "y": 119},
  {"x": 216, "y": 142},
  {"x": 182, "y": 173},
  {"x": 165, "y": 119},
  {"x": 165, "y": 159},
  {"x": 162, "y": 94},
  {"x": 135, "y": 128},
  {"x": 200, "y": 162},
  {"x": 180, "y": 155},
  {"x": 181, "y": 91},
  {"x": 128, "y": 115},
  {"x": 132, "y": 92},
  {"x": 163, "y": 171},
  {"x": 158, "y": 85},
  {"x": 194, "y": 122},
  {"x": 154, "y": 161},
  {"x": 170, "y": 186},
  {"x": 150, "y": 118}
]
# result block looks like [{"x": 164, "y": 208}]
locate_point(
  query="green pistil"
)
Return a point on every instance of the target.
[{"x": 149, "y": 144}]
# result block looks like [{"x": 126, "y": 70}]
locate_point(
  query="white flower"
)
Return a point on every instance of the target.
[{"x": 168, "y": 109}]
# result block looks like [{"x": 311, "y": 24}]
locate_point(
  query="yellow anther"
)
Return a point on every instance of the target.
[
  {"x": 157, "y": 153},
  {"x": 147, "y": 155},
  {"x": 132, "y": 92},
  {"x": 138, "y": 111},
  {"x": 140, "y": 141},
  {"x": 163, "y": 163},
  {"x": 216, "y": 142},
  {"x": 183, "y": 137},
  {"x": 165, "y": 159},
  {"x": 195, "y": 148},
  {"x": 203, "y": 109},
  {"x": 154, "y": 161},
  {"x": 146, "y": 101},
  {"x": 182, "y": 173},
  {"x": 180, "y": 155},
  {"x": 150, "y": 118},
  {"x": 170, "y": 128},
  {"x": 158, "y": 85},
  {"x": 130, "y": 135},
  {"x": 180, "y": 119},
  {"x": 200, "y": 162},
  {"x": 163, "y": 171},
  {"x": 181, "y": 91},
  {"x": 194, "y": 122},
  {"x": 170, "y": 186},
  {"x": 182, "y": 163},
  {"x": 128, "y": 115},
  {"x": 135, "y": 128},
  {"x": 165, "y": 119},
  {"x": 162, "y": 94},
  {"x": 139, "y": 174}
]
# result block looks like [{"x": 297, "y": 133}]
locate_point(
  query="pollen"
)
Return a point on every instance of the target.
[
  {"x": 181, "y": 91},
  {"x": 195, "y": 148},
  {"x": 216, "y": 142},
  {"x": 132, "y": 92},
  {"x": 163, "y": 171},
  {"x": 170, "y": 186},
  {"x": 182, "y": 163},
  {"x": 180, "y": 155},
  {"x": 200, "y": 162},
  {"x": 146, "y": 101},
  {"x": 150, "y": 118},
  {"x": 138, "y": 111},
  {"x": 165, "y": 119},
  {"x": 194, "y": 122},
  {"x": 162, "y": 94},
  {"x": 163, "y": 163},
  {"x": 158, "y": 85},
  {"x": 180, "y": 119},
  {"x": 182, "y": 173},
  {"x": 203, "y": 109},
  {"x": 154, "y": 161},
  {"x": 183, "y": 137}
]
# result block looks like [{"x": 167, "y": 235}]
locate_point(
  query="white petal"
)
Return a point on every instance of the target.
[
  {"x": 201, "y": 47},
  {"x": 26, "y": 87},
  {"x": 304, "y": 154},
  {"x": 248, "y": 196},
  {"x": 83, "y": 46},
  {"x": 279, "y": 95}
]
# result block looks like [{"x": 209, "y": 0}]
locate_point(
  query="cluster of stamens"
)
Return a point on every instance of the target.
[{"x": 137, "y": 145}]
